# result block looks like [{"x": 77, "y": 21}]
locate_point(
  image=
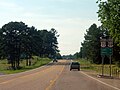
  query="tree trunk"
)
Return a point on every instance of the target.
[
  {"x": 26, "y": 62},
  {"x": 30, "y": 62}
]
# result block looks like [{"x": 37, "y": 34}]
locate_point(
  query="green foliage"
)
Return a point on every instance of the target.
[
  {"x": 68, "y": 56},
  {"x": 116, "y": 55},
  {"x": 84, "y": 61},
  {"x": 58, "y": 56},
  {"x": 109, "y": 15},
  {"x": 77, "y": 55},
  {"x": 91, "y": 49},
  {"x": 17, "y": 41},
  {"x": 49, "y": 43},
  {"x": 11, "y": 35},
  {"x": 36, "y": 62},
  {"x": 91, "y": 46}
]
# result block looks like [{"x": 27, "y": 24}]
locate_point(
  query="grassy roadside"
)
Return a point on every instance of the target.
[
  {"x": 97, "y": 68},
  {"x": 36, "y": 62}
]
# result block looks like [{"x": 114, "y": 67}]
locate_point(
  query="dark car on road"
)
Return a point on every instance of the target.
[
  {"x": 55, "y": 60},
  {"x": 75, "y": 65}
]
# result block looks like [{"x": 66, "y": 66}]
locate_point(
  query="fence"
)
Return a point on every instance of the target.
[{"x": 115, "y": 71}]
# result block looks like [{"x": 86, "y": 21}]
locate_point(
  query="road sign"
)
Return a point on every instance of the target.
[{"x": 106, "y": 51}]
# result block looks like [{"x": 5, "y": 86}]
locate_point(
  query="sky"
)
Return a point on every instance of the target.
[{"x": 70, "y": 18}]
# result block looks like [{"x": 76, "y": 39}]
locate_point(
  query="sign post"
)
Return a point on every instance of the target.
[{"x": 106, "y": 50}]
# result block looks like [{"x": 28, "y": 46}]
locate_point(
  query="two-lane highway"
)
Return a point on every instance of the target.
[
  {"x": 78, "y": 80},
  {"x": 39, "y": 79},
  {"x": 56, "y": 76}
]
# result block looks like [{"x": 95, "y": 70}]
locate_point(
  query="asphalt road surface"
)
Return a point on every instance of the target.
[{"x": 55, "y": 76}]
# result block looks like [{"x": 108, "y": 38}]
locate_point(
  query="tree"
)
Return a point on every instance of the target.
[
  {"x": 2, "y": 54},
  {"x": 54, "y": 48},
  {"x": 91, "y": 46},
  {"x": 92, "y": 39},
  {"x": 12, "y": 33},
  {"x": 58, "y": 56},
  {"x": 77, "y": 55},
  {"x": 109, "y": 15},
  {"x": 49, "y": 43},
  {"x": 116, "y": 55},
  {"x": 32, "y": 44},
  {"x": 18, "y": 40}
]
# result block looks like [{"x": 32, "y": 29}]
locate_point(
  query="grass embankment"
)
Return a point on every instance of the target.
[
  {"x": 36, "y": 62},
  {"x": 86, "y": 65}
]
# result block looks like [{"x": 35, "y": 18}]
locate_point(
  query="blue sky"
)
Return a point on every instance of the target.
[{"x": 70, "y": 18}]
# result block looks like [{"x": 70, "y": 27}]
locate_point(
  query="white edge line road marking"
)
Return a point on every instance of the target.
[
  {"x": 25, "y": 71},
  {"x": 24, "y": 76},
  {"x": 100, "y": 81}
]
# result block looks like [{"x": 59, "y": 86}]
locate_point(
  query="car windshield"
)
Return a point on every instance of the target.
[{"x": 75, "y": 63}]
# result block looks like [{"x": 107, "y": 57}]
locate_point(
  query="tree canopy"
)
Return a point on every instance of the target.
[
  {"x": 109, "y": 15},
  {"x": 91, "y": 46},
  {"x": 91, "y": 49},
  {"x": 18, "y": 40}
]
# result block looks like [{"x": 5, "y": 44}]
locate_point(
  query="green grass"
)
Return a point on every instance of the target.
[
  {"x": 36, "y": 62},
  {"x": 86, "y": 65}
]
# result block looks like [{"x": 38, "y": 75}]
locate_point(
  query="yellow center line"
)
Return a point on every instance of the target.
[
  {"x": 52, "y": 82},
  {"x": 8, "y": 81}
]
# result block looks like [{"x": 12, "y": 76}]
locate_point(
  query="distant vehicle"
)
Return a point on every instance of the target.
[
  {"x": 75, "y": 65},
  {"x": 55, "y": 60}
]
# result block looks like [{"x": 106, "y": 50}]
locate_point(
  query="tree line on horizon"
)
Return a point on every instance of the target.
[
  {"x": 18, "y": 41},
  {"x": 109, "y": 15}
]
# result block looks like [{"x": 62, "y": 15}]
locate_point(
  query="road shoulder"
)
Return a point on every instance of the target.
[{"x": 111, "y": 82}]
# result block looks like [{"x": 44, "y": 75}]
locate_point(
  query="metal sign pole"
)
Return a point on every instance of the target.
[
  {"x": 106, "y": 49},
  {"x": 110, "y": 66},
  {"x": 102, "y": 65}
]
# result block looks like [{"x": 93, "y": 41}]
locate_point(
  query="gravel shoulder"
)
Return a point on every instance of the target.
[{"x": 106, "y": 79}]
